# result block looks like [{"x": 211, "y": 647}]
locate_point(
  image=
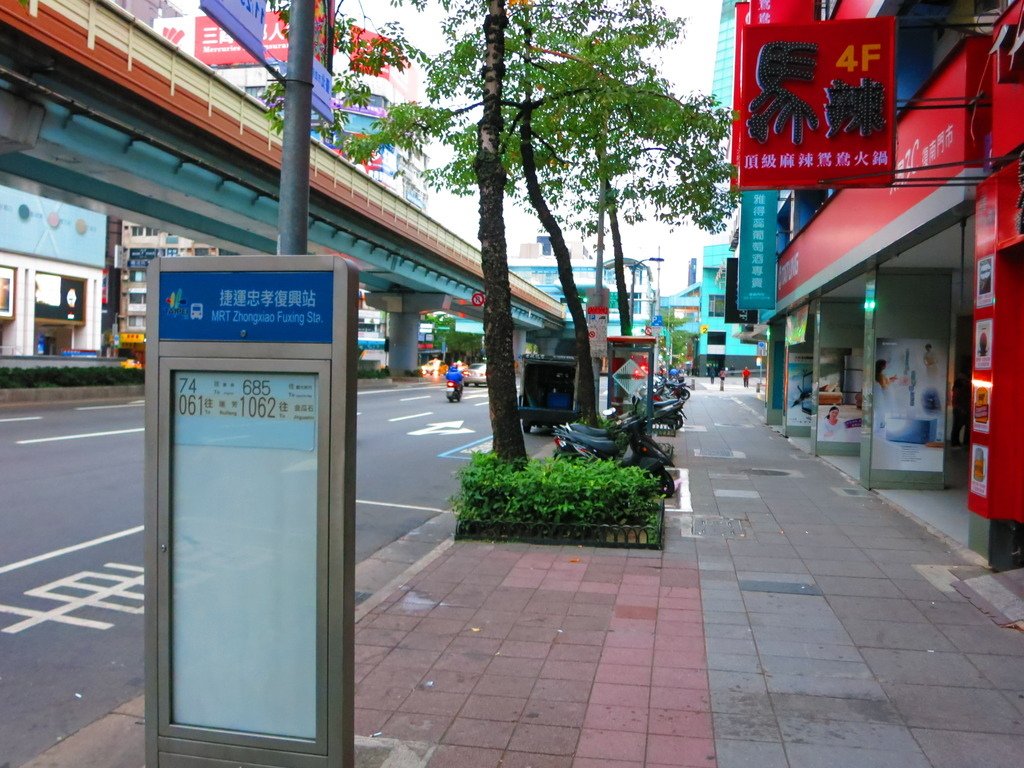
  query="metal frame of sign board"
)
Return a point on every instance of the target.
[{"x": 171, "y": 745}]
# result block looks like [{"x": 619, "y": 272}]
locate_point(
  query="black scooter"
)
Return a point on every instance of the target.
[
  {"x": 453, "y": 391},
  {"x": 579, "y": 440}
]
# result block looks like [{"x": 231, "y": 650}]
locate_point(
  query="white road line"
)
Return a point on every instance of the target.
[
  {"x": 401, "y": 506},
  {"x": 73, "y": 548},
  {"x": 407, "y": 399},
  {"x": 136, "y": 404},
  {"x": 384, "y": 391},
  {"x": 79, "y": 437},
  {"x": 414, "y": 416},
  {"x": 21, "y": 418},
  {"x": 485, "y": 402}
]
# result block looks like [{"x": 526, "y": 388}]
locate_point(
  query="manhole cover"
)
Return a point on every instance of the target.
[{"x": 725, "y": 527}]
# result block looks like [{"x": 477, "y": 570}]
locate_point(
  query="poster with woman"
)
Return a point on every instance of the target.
[
  {"x": 839, "y": 411},
  {"x": 908, "y": 423}
]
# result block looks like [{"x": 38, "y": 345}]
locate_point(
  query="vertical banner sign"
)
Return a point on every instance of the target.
[
  {"x": 818, "y": 104},
  {"x": 782, "y": 11},
  {"x": 242, "y": 19},
  {"x": 758, "y": 229},
  {"x": 323, "y": 54},
  {"x": 733, "y": 314}
]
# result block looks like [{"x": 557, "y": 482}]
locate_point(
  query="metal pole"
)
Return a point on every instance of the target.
[
  {"x": 599, "y": 273},
  {"x": 293, "y": 211}
]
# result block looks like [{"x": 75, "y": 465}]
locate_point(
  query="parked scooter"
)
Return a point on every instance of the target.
[{"x": 579, "y": 440}]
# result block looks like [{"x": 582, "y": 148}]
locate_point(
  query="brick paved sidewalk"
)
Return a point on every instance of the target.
[{"x": 521, "y": 656}]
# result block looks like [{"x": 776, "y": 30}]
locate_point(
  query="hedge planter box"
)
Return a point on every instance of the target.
[{"x": 620, "y": 536}]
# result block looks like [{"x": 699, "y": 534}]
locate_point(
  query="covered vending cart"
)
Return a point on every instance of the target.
[{"x": 547, "y": 391}]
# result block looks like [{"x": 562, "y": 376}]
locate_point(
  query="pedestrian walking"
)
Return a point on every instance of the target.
[
  {"x": 711, "y": 374},
  {"x": 746, "y": 377},
  {"x": 721, "y": 379}
]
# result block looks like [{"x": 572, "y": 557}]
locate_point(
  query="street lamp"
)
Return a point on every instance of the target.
[{"x": 632, "y": 285}]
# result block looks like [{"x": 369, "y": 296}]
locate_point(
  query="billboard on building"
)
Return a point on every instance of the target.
[
  {"x": 38, "y": 226},
  {"x": 6, "y": 292},
  {"x": 817, "y": 104},
  {"x": 59, "y": 298},
  {"x": 733, "y": 314}
]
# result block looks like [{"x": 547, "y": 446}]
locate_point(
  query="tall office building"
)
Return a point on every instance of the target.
[{"x": 721, "y": 85}]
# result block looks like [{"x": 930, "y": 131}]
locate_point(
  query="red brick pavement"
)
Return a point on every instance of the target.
[{"x": 547, "y": 657}]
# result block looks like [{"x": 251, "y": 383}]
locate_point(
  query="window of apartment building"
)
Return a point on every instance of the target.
[
  {"x": 137, "y": 276},
  {"x": 138, "y": 231},
  {"x": 136, "y": 321},
  {"x": 380, "y": 102},
  {"x": 201, "y": 251},
  {"x": 716, "y": 305},
  {"x": 137, "y": 297}
]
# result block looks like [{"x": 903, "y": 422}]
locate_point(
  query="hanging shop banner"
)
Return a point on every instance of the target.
[
  {"x": 799, "y": 390},
  {"x": 6, "y": 292},
  {"x": 758, "y": 229},
  {"x": 839, "y": 407},
  {"x": 733, "y": 314},
  {"x": 781, "y": 11},
  {"x": 909, "y": 396},
  {"x": 242, "y": 19},
  {"x": 818, "y": 105}
]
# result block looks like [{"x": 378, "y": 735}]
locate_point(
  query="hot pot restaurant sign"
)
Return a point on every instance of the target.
[{"x": 817, "y": 104}]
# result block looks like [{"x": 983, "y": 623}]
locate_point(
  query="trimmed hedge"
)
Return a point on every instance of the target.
[
  {"x": 556, "y": 491},
  {"x": 43, "y": 378}
]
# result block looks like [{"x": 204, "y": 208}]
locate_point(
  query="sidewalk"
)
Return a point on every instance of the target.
[{"x": 793, "y": 619}]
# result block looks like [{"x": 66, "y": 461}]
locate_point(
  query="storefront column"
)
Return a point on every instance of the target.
[
  {"x": 775, "y": 394},
  {"x": 518, "y": 343},
  {"x": 838, "y": 373},
  {"x": 906, "y": 354},
  {"x": 27, "y": 314}
]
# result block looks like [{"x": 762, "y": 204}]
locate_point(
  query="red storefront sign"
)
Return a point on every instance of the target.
[
  {"x": 782, "y": 11},
  {"x": 817, "y": 104},
  {"x": 857, "y": 9},
  {"x": 216, "y": 48},
  {"x": 1007, "y": 67},
  {"x": 925, "y": 137}
]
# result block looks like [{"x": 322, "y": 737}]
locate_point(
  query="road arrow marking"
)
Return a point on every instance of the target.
[{"x": 444, "y": 428}]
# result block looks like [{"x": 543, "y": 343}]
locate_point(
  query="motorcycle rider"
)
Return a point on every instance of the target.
[{"x": 454, "y": 374}]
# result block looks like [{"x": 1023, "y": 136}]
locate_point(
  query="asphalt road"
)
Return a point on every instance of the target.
[{"x": 71, "y": 494}]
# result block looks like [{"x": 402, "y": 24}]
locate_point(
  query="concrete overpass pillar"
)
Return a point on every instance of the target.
[
  {"x": 518, "y": 343},
  {"x": 404, "y": 310},
  {"x": 403, "y": 335}
]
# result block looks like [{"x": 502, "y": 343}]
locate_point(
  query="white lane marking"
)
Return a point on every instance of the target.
[
  {"x": 72, "y": 548},
  {"x": 21, "y": 418},
  {"x": 444, "y": 428},
  {"x": 135, "y": 404},
  {"x": 485, "y": 402},
  {"x": 117, "y": 586},
  {"x": 79, "y": 437},
  {"x": 418, "y": 397},
  {"x": 414, "y": 416},
  {"x": 383, "y": 391},
  {"x": 401, "y": 506}
]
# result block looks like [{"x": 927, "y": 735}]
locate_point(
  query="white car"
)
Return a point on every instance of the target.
[{"x": 476, "y": 375}]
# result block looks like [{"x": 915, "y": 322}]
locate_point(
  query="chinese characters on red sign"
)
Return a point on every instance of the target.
[
  {"x": 781, "y": 11},
  {"x": 817, "y": 105}
]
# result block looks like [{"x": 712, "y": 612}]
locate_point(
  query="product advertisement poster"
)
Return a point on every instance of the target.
[
  {"x": 839, "y": 412},
  {"x": 983, "y": 345},
  {"x": 909, "y": 425},
  {"x": 800, "y": 391},
  {"x": 979, "y": 470},
  {"x": 986, "y": 295},
  {"x": 981, "y": 408}
]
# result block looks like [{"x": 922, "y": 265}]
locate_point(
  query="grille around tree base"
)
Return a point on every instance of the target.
[{"x": 615, "y": 536}]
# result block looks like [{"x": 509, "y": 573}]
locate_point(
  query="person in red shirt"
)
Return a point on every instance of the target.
[{"x": 746, "y": 377}]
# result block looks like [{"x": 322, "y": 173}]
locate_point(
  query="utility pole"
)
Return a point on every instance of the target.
[{"x": 293, "y": 208}]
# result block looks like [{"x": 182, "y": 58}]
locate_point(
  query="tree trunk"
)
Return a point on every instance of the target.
[
  {"x": 625, "y": 294},
  {"x": 586, "y": 397},
  {"x": 490, "y": 175}
]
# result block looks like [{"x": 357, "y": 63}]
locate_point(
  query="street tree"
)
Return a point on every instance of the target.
[{"x": 571, "y": 96}]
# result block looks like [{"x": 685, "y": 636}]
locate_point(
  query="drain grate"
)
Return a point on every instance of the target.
[
  {"x": 725, "y": 527},
  {"x": 717, "y": 453},
  {"x": 361, "y": 596},
  {"x": 855, "y": 492}
]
